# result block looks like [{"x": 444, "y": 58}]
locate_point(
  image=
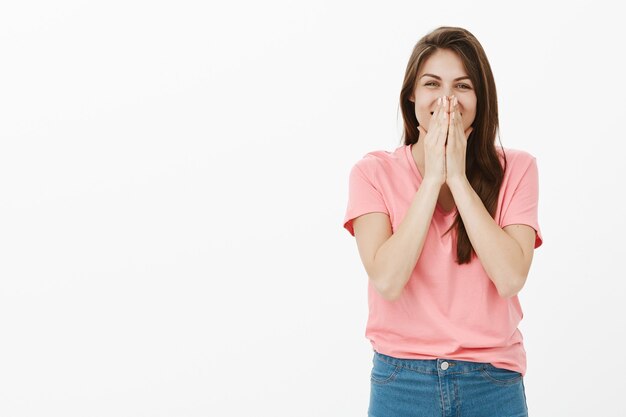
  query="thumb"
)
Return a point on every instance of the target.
[
  {"x": 468, "y": 132},
  {"x": 422, "y": 131}
]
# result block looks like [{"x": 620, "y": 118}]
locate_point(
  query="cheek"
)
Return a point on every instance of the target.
[
  {"x": 425, "y": 98},
  {"x": 423, "y": 110},
  {"x": 422, "y": 103},
  {"x": 468, "y": 110}
]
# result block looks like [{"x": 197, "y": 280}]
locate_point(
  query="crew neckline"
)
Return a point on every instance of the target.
[{"x": 413, "y": 165}]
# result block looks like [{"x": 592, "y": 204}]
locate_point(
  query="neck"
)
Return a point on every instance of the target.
[{"x": 418, "y": 154}]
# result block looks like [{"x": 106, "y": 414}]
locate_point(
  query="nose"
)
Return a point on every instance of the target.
[{"x": 449, "y": 96}]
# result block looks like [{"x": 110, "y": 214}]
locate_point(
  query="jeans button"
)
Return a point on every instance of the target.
[{"x": 444, "y": 365}]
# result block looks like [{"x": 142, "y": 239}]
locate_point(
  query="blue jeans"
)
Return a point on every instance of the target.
[{"x": 444, "y": 388}]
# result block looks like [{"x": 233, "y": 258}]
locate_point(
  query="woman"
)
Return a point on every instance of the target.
[{"x": 445, "y": 227}]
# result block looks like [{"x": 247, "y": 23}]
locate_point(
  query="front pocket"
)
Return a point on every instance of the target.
[
  {"x": 500, "y": 376},
  {"x": 383, "y": 372}
]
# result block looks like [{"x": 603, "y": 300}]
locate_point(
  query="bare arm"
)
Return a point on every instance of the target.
[
  {"x": 389, "y": 259},
  {"x": 505, "y": 254}
]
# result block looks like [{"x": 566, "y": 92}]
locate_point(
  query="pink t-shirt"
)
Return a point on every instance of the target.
[{"x": 445, "y": 310}]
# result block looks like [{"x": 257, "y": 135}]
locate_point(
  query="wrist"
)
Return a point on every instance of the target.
[
  {"x": 433, "y": 183},
  {"x": 457, "y": 183}
]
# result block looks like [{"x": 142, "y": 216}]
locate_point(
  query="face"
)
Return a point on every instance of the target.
[{"x": 446, "y": 65}]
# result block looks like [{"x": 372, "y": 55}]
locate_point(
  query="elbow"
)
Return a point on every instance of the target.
[
  {"x": 391, "y": 295},
  {"x": 386, "y": 290},
  {"x": 513, "y": 288},
  {"x": 507, "y": 294}
]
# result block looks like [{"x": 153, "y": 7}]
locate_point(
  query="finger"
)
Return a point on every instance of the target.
[
  {"x": 439, "y": 111},
  {"x": 445, "y": 108},
  {"x": 451, "y": 132},
  {"x": 434, "y": 118},
  {"x": 468, "y": 131},
  {"x": 458, "y": 119},
  {"x": 459, "y": 128},
  {"x": 438, "y": 122},
  {"x": 444, "y": 121},
  {"x": 452, "y": 125}
]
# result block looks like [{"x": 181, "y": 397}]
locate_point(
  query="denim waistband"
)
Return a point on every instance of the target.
[{"x": 434, "y": 366}]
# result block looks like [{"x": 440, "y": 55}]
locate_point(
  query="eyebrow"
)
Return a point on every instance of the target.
[{"x": 439, "y": 78}]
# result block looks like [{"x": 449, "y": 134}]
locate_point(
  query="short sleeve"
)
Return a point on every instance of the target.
[
  {"x": 363, "y": 197},
  {"x": 524, "y": 204}
]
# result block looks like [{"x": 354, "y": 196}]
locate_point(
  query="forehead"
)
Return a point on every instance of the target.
[{"x": 444, "y": 63}]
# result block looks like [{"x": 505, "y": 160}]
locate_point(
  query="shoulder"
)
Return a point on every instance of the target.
[
  {"x": 377, "y": 161},
  {"x": 516, "y": 159}
]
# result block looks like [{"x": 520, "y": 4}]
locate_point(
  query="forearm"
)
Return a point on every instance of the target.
[
  {"x": 396, "y": 258},
  {"x": 500, "y": 255}
]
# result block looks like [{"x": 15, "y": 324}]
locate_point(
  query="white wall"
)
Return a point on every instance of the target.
[{"x": 173, "y": 180}]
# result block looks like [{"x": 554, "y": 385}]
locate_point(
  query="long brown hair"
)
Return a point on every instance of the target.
[{"x": 482, "y": 164}]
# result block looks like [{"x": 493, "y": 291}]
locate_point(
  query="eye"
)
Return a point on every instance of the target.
[{"x": 461, "y": 85}]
